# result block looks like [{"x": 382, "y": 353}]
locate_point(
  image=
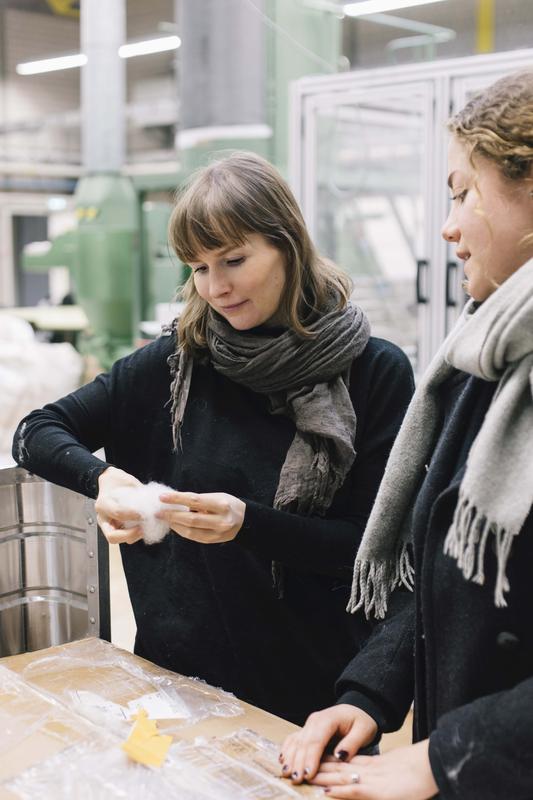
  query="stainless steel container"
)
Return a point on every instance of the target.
[{"x": 54, "y": 567}]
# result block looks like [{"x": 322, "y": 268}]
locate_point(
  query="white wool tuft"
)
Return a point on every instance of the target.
[{"x": 145, "y": 501}]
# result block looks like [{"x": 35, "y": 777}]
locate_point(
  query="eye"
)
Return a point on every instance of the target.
[
  {"x": 199, "y": 269},
  {"x": 459, "y": 196},
  {"x": 235, "y": 262}
]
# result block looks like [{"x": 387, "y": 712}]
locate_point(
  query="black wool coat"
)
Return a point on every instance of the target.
[
  {"x": 467, "y": 663},
  {"x": 210, "y": 610}
]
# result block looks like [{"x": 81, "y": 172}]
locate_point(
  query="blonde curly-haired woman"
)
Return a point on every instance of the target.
[{"x": 453, "y": 519}]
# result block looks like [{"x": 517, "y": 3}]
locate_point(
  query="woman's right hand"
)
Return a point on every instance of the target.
[
  {"x": 302, "y": 751},
  {"x": 112, "y": 517}
]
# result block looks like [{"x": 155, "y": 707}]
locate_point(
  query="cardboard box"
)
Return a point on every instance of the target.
[{"x": 65, "y": 711}]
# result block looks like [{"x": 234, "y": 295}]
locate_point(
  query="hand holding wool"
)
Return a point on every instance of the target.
[
  {"x": 210, "y": 518},
  {"x": 145, "y": 501},
  {"x": 126, "y": 508},
  {"x": 110, "y": 515}
]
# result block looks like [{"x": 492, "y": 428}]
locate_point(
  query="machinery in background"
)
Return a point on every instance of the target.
[
  {"x": 119, "y": 262},
  {"x": 118, "y": 256}
]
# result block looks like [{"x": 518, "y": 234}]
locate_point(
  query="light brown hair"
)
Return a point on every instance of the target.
[{"x": 220, "y": 205}]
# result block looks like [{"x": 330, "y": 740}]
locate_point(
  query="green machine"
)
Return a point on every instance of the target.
[
  {"x": 119, "y": 262},
  {"x": 118, "y": 256}
]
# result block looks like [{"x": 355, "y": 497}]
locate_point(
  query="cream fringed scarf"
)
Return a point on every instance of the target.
[
  {"x": 306, "y": 379},
  {"x": 494, "y": 342}
]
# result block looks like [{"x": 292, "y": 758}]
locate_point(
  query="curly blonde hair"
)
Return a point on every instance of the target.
[
  {"x": 498, "y": 124},
  {"x": 227, "y": 200}
]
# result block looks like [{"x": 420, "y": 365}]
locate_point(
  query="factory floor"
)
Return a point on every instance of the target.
[{"x": 123, "y": 632}]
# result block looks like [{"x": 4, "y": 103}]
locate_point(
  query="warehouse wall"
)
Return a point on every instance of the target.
[
  {"x": 30, "y": 99},
  {"x": 42, "y": 111}
]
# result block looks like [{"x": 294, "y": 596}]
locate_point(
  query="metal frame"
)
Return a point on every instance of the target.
[{"x": 449, "y": 81}]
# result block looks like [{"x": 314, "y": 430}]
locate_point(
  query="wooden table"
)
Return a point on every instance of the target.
[{"x": 47, "y": 678}]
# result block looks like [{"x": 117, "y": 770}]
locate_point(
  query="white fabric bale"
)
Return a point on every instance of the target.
[
  {"x": 32, "y": 374},
  {"x": 145, "y": 501},
  {"x": 15, "y": 329}
]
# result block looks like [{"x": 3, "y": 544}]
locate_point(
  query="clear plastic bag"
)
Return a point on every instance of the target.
[
  {"x": 78, "y": 700},
  {"x": 32, "y": 726},
  {"x": 210, "y": 766},
  {"x": 94, "y": 771},
  {"x": 107, "y": 686}
]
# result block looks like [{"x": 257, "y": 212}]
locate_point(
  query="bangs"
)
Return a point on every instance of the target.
[{"x": 207, "y": 218}]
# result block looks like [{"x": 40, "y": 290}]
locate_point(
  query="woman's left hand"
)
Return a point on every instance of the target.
[
  {"x": 402, "y": 774},
  {"x": 211, "y": 518}
]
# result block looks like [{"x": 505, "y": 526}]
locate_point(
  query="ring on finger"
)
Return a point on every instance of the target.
[{"x": 355, "y": 777}]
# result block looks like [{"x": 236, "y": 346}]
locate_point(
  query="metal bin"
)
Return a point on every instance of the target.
[{"x": 54, "y": 565}]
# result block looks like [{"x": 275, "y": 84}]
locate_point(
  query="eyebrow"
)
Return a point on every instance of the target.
[{"x": 219, "y": 253}]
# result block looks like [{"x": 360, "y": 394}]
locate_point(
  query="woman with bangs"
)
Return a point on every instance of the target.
[
  {"x": 453, "y": 517},
  {"x": 270, "y": 410}
]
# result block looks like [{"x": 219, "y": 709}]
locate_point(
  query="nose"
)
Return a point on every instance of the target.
[
  {"x": 219, "y": 283},
  {"x": 450, "y": 232}
]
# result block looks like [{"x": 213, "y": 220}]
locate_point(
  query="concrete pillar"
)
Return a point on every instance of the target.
[
  {"x": 222, "y": 63},
  {"x": 103, "y": 85},
  {"x": 222, "y": 74}
]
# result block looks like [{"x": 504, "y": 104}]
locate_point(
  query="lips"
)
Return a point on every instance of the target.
[{"x": 234, "y": 306}]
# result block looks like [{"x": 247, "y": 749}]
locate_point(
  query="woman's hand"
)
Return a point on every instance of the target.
[
  {"x": 211, "y": 519},
  {"x": 301, "y": 752},
  {"x": 402, "y": 774},
  {"x": 113, "y": 519}
]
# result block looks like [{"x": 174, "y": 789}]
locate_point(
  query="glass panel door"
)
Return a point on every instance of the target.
[{"x": 369, "y": 180}]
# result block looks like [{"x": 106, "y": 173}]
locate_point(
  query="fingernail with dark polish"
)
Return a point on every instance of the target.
[
  {"x": 280, "y": 758},
  {"x": 295, "y": 775},
  {"x": 327, "y": 791},
  {"x": 342, "y": 755},
  {"x": 285, "y": 768}
]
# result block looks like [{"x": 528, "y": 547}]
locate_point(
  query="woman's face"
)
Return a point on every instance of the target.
[
  {"x": 488, "y": 219},
  {"x": 244, "y": 284}
]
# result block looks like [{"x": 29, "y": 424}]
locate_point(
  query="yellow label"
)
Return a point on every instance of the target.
[{"x": 144, "y": 744}]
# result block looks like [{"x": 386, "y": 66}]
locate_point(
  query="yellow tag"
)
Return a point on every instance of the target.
[{"x": 145, "y": 744}]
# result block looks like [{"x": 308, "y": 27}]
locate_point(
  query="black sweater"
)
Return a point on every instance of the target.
[
  {"x": 210, "y": 610},
  {"x": 473, "y": 662}
]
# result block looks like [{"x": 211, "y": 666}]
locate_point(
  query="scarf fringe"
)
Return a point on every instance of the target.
[
  {"x": 181, "y": 370},
  {"x": 373, "y": 582},
  {"x": 466, "y": 542}
]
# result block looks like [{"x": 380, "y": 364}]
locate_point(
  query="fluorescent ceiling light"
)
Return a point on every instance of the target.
[
  {"x": 143, "y": 48},
  {"x": 149, "y": 46},
  {"x": 378, "y": 6},
  {"x": 51, "y": 64}
]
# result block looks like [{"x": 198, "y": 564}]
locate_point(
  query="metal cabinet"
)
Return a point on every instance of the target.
[
  {"x": 54, "y": 568},
  {"x": 368, "y": 153}
]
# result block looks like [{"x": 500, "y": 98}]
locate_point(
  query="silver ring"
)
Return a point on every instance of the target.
[{"x": 355, "y": 777}]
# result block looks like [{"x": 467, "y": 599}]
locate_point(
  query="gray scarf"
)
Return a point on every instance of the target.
[
  {"x": 494, "y": 342},
  {"x": 305, "y": 379}
]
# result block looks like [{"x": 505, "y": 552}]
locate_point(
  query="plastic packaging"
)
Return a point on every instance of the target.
[
  {"x": 32, "y": 725},
  {"x": 107, "y": 686},
  {"x": 65, "y": 715},
  {"x": 91, "y": 771},
  {"x": 215, "y": 767}
]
